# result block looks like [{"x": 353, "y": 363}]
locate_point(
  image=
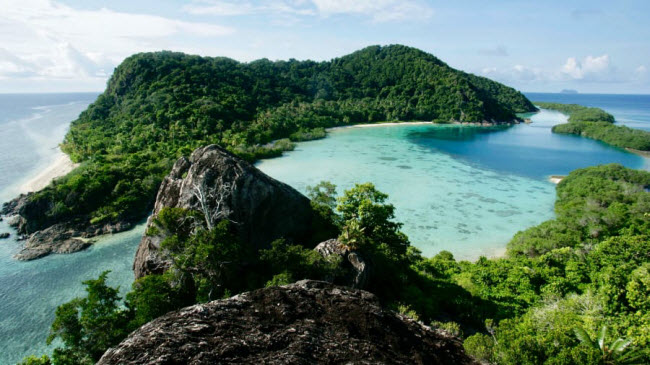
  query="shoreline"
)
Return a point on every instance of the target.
[
  {"x": 645, "y": 154},
  {"x": 390, "y": 124},
  {"x": 555, "y": 179},
  {"x": 381, "y": 124},
  {"x": 60, "y": 166}
]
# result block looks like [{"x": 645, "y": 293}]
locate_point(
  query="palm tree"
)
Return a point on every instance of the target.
[{"x": 618, "y": 352}]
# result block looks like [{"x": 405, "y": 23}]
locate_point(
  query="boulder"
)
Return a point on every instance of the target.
[
  {"x": 4, "y": 235},
  {"x": 261, "y": 208},
  {"x": 306, "y": 322}
]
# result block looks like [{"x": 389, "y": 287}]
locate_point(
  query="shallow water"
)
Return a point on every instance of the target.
[
  {"x": 31, "y": 127},
  {"x": 463, "y": 189}
]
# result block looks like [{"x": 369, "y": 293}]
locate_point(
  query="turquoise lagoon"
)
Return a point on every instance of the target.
[{"x": 463, "y": 189}]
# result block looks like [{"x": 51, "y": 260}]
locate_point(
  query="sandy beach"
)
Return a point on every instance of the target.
[
  {"x": 555, "y": 179},
  {"x": 59, "y": 167},
  {"x": 377, "y": 125},
  {"x": 645, "y": 154}
]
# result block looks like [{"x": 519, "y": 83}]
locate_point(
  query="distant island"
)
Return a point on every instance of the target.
[
  {"x": 568, "y": 91},
  {"x": 597, "y": 124},
  {"x": 160, "y": 106}
]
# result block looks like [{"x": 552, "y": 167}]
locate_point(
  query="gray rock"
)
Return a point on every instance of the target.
[
  {"x": 303, "y": 323},
  {"x": 356, "y": 270},
  {"x": 16, "y": 221},
  {"x": 262, "y": 208},
  {"x": 4, "y": 235},
  {"x": 58, "y": 238}
]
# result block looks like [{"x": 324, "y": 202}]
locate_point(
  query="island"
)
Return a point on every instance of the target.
[
  {"x": 160, "y": 106},
  {"x": 597, "y": 124}
]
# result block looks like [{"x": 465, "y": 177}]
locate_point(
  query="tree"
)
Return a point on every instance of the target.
[
  {"x": 323, "y": 193},
  {"x": 88, "y": 326},
  {"x": 367, "y": 206},
  {"x": 618, "y": 352}
]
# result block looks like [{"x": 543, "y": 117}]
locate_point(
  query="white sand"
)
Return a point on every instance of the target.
[
  {"x": 59, "y": 167},
  {"x": 378, "y": 125},
  {"x": 555, "y": 179}
]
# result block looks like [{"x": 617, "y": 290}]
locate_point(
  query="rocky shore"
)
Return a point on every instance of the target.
[{"x": 62, "y": 238}]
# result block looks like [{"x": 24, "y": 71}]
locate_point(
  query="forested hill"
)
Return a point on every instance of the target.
[
  {"x": 159, "y": 106},
  {"x": 222, "y": 100}
]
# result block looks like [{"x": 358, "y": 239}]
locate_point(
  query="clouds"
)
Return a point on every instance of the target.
[
  {"x": 498, "y": 51},
  {"x": 591, "y": 68},
  {"x": 46, "y": 40},
  {"x": 377, "y": 10},
  {"x": 238, "y": 8}
]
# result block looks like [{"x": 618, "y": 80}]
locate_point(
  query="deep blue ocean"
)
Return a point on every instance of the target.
[{"x": 458, "y": 188}]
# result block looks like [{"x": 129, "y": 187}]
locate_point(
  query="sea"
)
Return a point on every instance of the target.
[{"x": 463, "y": 189}]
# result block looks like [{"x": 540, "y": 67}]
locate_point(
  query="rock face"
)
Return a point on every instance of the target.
[
  {"x": 262, "y": 208},
  {"x": 356, "y": 269},
  {"x": 303, "y": 323}
]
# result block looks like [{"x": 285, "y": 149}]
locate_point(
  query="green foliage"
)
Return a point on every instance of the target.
[
  {"x": 408, "y": 312},
  {"x": 616, "y": 135},
  {"x": 88, "y": 326},
  {"x": 365, "y": 206},
  {"x": 154, "y": 295},
  {"x": 597, "y": 124},
  {"x": 160, "y": 106},
  {"x": 618, "y": 352},
  {"x": 33, "y": 360},
  {"x": 579, "y": 113},
  {"x": 282, "y": 278},
  {"x": 586, "y": 269},
  {"x": 592, "y": 204},
  {"x": 296, "y": 262},
  {"x": 323, "y": 193},
  {"x": 210, "y": 258},
  {"x": 480, "y": 346},
  {"x": 308, "y": 135},
  {"x": 451, "y": 327}
]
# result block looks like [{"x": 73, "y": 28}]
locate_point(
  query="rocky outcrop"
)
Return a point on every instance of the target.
[
  {"x": 303, "y": 323},
  {"x": 68, "y": 237},
  {"x": 4, "y": 235},
  {"x": 262, "y": 208},
  {"x": 55, "y": 239},
  {"x": 355, "y": 269}
]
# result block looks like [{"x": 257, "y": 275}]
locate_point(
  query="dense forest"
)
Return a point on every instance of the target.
[
  {"x": 597, "y": 124},
  {"x": 159, "y": 106},
  {"x": 573, "y": 290}
]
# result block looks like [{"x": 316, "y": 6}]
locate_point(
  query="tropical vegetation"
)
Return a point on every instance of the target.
[
  {"x": 597, "y": 124},
  {"x": 546, "y": 302}
]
